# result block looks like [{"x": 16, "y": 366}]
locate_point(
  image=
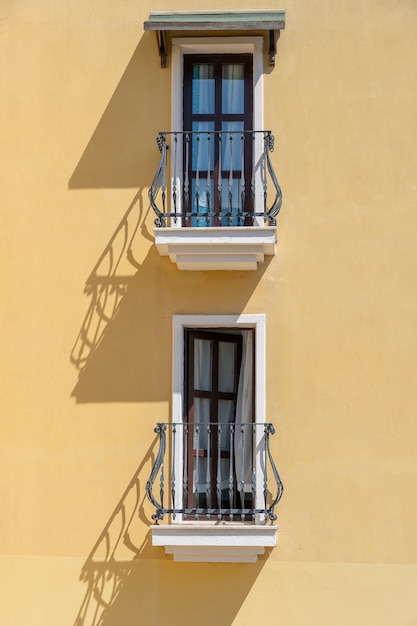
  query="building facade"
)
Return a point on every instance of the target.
[{"x": 208, "y": 270}]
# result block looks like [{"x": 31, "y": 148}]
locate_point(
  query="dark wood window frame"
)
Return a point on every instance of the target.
[
  {"x": 214, "y": 395},
  {"x": 218, "y": 117}
]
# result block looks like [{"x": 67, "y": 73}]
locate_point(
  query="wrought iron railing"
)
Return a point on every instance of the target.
[
  {"x": 214, "y": 471},
  {"x": 216, "y": 178}
]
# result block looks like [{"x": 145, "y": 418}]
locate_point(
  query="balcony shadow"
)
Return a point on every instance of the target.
[
  {"x": 120, "y": 153},
  {"x": 124, "y": 343},
  {"x": 112, "y": 558},
  {"x": 121, "y": 354},
  {"x": 131, "y": 585},
  {"x": 178, "y": 594},
  {"x": 107, "y": 285},
  {"x": 123, "y": 348}
]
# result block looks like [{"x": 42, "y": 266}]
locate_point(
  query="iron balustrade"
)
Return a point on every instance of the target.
[
  {"x": 217, "y": 471},
  {"x": 215, "y": 178}
]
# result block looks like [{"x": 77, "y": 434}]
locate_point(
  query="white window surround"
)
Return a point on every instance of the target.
[
  {"x": 213, "y": 541},
  {"x": 221, "y": 248},
  {"x": 220, "y": 45},
  {"x": 216, "y": 45},
  {"x": 181, "y": 322}
]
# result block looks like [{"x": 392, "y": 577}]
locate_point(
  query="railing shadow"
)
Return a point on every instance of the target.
[
  {"x": 108, "y": 565},
  {"x": 111, "y": 343},
  {"x": 131, "y": 305},
  {"x": 132, "y": 302},
  {"x": 131, "y": 583},
  {"x": 105, "y": 286}
]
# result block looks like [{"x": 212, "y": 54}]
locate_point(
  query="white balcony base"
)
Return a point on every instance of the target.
[
  {"x": 219, "y": 543},
  {"x": 217, "y": 248}
]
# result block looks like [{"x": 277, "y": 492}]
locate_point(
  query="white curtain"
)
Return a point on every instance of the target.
[
  {"x": 203, "y": 88},
  {"x": 243, "y": 441},
  {"x": 233, "y": 88},
  {"x": 202, "y": 380}
]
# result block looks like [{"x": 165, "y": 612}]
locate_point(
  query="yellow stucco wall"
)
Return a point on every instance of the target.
[{"x": 82, "y": 99}]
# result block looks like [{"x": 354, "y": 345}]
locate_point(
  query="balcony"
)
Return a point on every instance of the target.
[
  {"x": 216, "y": 199},
  {"x": 219, "y": 486}
]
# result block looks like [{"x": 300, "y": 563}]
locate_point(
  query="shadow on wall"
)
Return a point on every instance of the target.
[
  {"x": 123, "y": 349},
  {"x": 122, "y": 149},
  {"x": 122, "y": 354},
  {"x": 146, "y": 588},
  {"x": 110, "y": 372},
  {"x": 108, "y": 565}
]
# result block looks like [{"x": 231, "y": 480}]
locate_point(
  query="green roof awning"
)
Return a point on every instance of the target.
[
  {"x": 163, "y": 21},
  {"x": 216, "y": 20}
]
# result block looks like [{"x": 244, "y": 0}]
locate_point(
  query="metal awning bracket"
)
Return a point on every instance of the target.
[
  {"x": 272, "y": 50},
  {"x": 161, "y": 40}
]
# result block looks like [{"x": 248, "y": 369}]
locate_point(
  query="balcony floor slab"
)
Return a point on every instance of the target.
[
  {"x": 228, "y": 543},
  {"x": 219, "y": 248}
]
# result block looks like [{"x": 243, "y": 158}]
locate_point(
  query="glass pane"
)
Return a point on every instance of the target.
[
  {"x": 202, "y": 365},
  {"x": 233, "y": 94},
  {"x": 225, "y": 442},
  {"x": 202, "y": 408},
  {"x": 203, "y": 88},
  {"x": 232, "y": 145},
  {"x": 202, "y": 199},
  {"x": 243, "y": 454},
  {"x": 226, "y": 416},
  {"x": 202, "y": 146},
  {"x": 231, "y": 202},
  {"x": 202, "y": 443},
  {"x": 227, "y": 366}
]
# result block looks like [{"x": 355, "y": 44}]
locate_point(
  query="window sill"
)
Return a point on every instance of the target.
[
  {"x": 219, "y": 543},
  {"x": 219, "y": 248}
]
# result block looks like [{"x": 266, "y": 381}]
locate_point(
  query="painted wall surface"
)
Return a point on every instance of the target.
[{"x": 87, "y": 305}]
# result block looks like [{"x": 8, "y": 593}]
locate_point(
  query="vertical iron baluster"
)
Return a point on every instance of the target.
[
  {"x": 158, "y": 179},
  {"x": 174, "y": 178},
  {"x": 208, "y": 469},
  {"x": 161, "y": 484},
  {"x": 275, "y": 208},
  {"x": 164, "y": 179},
  {"x": 197, "y": 181},
  {"x": 253, "y": 503},
  {"x": 242, "y": 473},
  {"x": 174, "y": 446},
  {"x": 231, "y": 470},
  {"x": 219, "y": 470},
  {"x": 242, "y": 183},
  {"x": 266, "y": 437},
  {"x": 264, "y": 168},
  {"x": 208, "y": 221},
  {"x": 252, "y": 184},
  {"x": 230, "y": 190},
  {"x": 197, "y": 465},
  {"x": 185, "y": 474},
  {"x": 159, "y": 514},
  {"x": 278, "y": 482},
  {"x": 186, "y": 176},
  {"x": 219, "y": 180}
]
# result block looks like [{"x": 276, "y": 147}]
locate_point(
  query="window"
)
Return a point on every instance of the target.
[
  {"x": 227, "y": 75},
  {"x": 216, "y": 179},
  {"x": 200, "y": 342},
  {"x": 219, "y": 419},
  {"x": 218, "y": 105}
]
